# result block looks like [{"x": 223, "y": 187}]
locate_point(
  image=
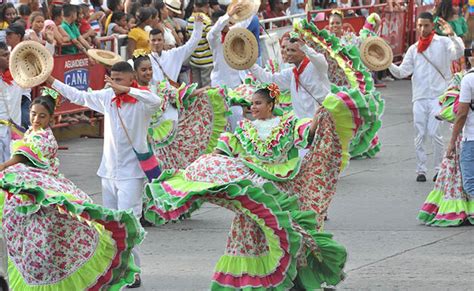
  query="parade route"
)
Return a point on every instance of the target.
[{"x": 373, "y": 214}]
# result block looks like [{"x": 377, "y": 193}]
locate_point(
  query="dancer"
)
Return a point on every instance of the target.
[
  {"x": 247, "y": 174},
  {"x": 429, "y": 61},
  {"x": 448, "y": 204},
  {"x": 308, "y": 81},
  {"x": 55, "y": 237},
  {"x": 127, "y": 111},
  {"x": 167, "y": 63}
]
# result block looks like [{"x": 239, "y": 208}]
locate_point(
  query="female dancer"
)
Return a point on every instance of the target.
[
  {"x": 447, "y": 204},
  {"x": 257, "y": 173},
  {"x": 56, "y": 238}
]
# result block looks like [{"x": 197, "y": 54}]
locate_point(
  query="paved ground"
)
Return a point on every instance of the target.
[{"x": 373, "y": 215}]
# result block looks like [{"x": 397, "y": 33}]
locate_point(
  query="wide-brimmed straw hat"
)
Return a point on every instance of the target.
[
  {"x": 249, "y": 8},
  {"x": 240, "y": 48},
  {"x": 30, "y": 64},
  {"x": 173, "y": 5},
  {"x": 376, "y": 53},
  {"x": 107, "y": 58}
]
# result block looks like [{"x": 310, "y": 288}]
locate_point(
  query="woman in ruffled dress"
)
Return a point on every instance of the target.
[
  {"x": 279, "y": 199},
  {"x": 447, "y": 204},
  {"x": 55, "y": 237}
]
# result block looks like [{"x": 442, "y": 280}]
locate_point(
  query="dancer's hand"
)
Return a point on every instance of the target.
[
  {"x": 445, "y": 27},
  {"x": 236, "y": 9},
  {"x": 451, "y": 151},
  {"x": 118, "y": 89},
  {"x": 199, "y": 92}
]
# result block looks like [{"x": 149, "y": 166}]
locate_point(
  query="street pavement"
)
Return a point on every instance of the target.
[{"x": 373, "y": 214}]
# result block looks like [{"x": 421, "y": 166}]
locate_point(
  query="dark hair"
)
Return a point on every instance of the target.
[
  {"x": 264, "y": 92},
  {"x": 158, "y": 5},
  {"x": 445, "y": 10},
  {"x": 69, "y": 9},
  {"x": 4, "y": 8},
  {"x": 84, "y": 7},
  {"x": 138, "y": 60},
  {"x": 336, "y": 14},
  {"x": 426, "y": 15},
  {"x": 117, "y": 16},
  {"x": 24, "y": 10},
  {"x": 113, "y": 4},
  {"x": 122, "y": 67},
  {"x": 56, "y": 11},
  {"x": 156, "y": 31},
  {"x": 20, "y": 21},
  {"x": 46, "y": 101},
  {"x": 35, "y": 15},
  {"x": 154, "y": 12},
  {"x": 3, "y": 45},
  {"x": 143, "y": 14},
  {"x": 144, "y": 3},
  {"x": 216, "y": 15},
  {"x": 133, "y": 9}
]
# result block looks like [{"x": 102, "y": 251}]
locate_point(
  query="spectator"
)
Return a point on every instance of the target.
[
  {"x": 118, "y": 24},
  {"x": 7, "y": 14},
  {"x": 201, "y": 59},
  {"x": 60, "y": 35},
  {"x": 174, "y": 11},
  {"x": 113, "y": 5},
  {"x": 15, "y": 34},
  {"x": 36, "y": 24},
  {"x": 69, "y": 25},
  {"x": 447, "y": 11},
  {"x": 138, "y": 38},
  {"x": 297, "y": 7},
  {"x": 276, "y": 9},
  {"x": 168, "y": 26},
  {"x": 25, "y": 12},
  {"x": 85, "y": 27}
]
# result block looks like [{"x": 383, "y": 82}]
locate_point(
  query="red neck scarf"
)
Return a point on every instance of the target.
[
  {"x": 424, "y": 42},
  {"x": 7, "y": 77},
  {"x": 125, "y": 98},
  {"x": 298, "y": 71},
  {"x": 223, "y": 34}
]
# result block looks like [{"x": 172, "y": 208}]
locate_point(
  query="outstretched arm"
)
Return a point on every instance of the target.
[
  {"x": 16, "y": 159},
  {"x": 406, "y": 68}
]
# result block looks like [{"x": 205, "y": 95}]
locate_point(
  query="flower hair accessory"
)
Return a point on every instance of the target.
[
  {"x": 273, "y": 89},
  {"x": 139, "y": 53},
  {"x": 46, "y": 91},
  {"x": 337, "y": 12}
]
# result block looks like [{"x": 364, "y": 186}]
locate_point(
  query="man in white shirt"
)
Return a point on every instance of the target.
[
  {"x": 122, "y": 177},
  {"x": 308, "y": 81},
  {"x": 429, "y": 61},
  {"x": 222, "y": 74},
  {"x": 465, "y": 122},
  {"x": 167, "y": 64},
  {"x": 10, "y": 102}
]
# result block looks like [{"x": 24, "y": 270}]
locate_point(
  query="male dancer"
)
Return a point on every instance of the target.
[
  {"x": 122, "y": 177},
  {"x": 429, "y": 61},
  {"x": 167, "y": 64},
  {"x": 308, "y": 81}
]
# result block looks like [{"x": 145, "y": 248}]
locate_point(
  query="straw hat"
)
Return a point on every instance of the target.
[
  {"x": 376, "y": 54},
  {"x": 250, "y": 8},
  {"x": 30, "y": 64},
  {"x": 240, "y": 48},
  {"x": 107, "y": 58},
  {"x": 173, "y": 5}
]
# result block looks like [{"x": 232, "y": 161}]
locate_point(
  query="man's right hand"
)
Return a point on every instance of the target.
[{"x": 235, "y": 9}]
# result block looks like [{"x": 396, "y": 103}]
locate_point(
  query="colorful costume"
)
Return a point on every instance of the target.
[
  {"x": 447, "y": 204},
  {"x": 56, "y": 238},
  {"x": 280, "y": 200},
  {"x": 186, "y": 127},
  {"x": 346, "y": 69}
]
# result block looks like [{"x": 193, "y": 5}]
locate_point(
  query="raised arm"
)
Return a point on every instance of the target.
[
  {"x": 456, "y": 47},
  {"x": 318, "y": 60},
  {"x": 214, "y": 35},
  {"x": 188, "y": 48},
  {"x": 282, "y": 79},
  {"x": 95, "y": 100}
]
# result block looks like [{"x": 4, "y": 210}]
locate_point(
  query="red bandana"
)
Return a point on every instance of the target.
[
  {"x": 125, "y": 98},
  {"x": 298, "y": 71},
  {"x": 223, "y": 34},
  {"x": 7, "y": 77},
  {"x": 424, "y": 42}
]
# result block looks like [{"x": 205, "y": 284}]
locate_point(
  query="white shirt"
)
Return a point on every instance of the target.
[
  {"x": 221, "y": 73},
  {"x": 427, "y": 82},
  {"x": 314, "y": 79},
  {"x": 10, "y": 104},
  {"x": 172, "y": 60},
  {"x": 466, "y": 95},
  {"x": 119, "y": 162}
]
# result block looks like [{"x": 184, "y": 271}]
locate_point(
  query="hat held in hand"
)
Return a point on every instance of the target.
[
  {"x": 104, "y": 57},
  {"x": 249, "y": 8},
  {"x": 240, "y": 48},
  {"x": 376, "y": 53},
  {"x": 30, "y": 64}
]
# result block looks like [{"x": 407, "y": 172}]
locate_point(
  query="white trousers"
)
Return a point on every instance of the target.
[
  {"x": 5, "y": 140},
  {"x": 124, "y": 195},
  {"x": 427, "y": 126}
]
